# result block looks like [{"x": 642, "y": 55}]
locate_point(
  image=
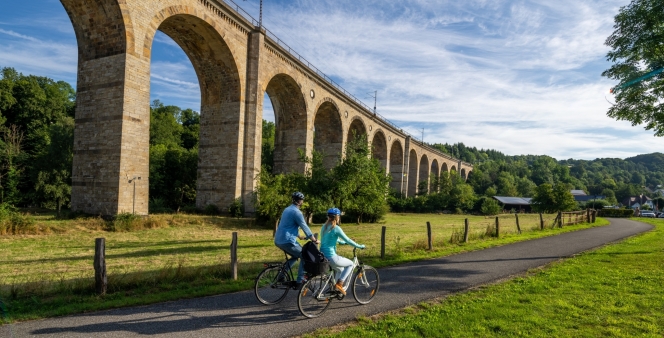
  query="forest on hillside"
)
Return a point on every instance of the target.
[{"x": 36, "y": 152}]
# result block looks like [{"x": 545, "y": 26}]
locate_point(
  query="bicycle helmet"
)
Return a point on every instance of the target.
[
  {"x": 297, "y": 196},
  {"x": 334, "y": 212}
]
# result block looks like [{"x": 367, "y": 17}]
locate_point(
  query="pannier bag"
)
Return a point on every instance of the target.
[{"x": 314, "y": 261}]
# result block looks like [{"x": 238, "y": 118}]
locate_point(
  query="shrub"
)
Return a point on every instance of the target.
[
  {"x": 212, "y": 209},
  {"x": 158, "y": 206},
  {"x": 236, "y": 209},
  {"x": 490, "y": 207},
  {"x": 125, "y": 222},
  {"x": 616, "y": 213}
]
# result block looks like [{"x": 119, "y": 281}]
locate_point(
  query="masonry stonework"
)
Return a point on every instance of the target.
[{"x": 236, "y": 62}]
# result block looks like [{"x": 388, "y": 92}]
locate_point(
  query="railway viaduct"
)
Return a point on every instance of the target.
[{"x": 236, "y": 62}]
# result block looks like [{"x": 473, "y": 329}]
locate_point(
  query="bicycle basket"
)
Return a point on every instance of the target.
[{"x": 315, "y": 269}]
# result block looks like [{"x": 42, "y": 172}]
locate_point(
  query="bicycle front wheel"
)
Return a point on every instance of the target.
[
  {"x": 314, "y": 297},
  {"x": 365, "y": 284},
  {"x": 272, "y": 285}
]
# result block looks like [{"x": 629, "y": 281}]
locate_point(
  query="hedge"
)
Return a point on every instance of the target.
[{"x": 616, "y": 213}]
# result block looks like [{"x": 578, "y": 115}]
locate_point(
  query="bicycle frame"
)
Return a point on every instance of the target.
[{"x": 356, "y": 264}]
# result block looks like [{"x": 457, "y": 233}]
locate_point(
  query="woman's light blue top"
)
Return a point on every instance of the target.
[{"x": 330, "y": 238}]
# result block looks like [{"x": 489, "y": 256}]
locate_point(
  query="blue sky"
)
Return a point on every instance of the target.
[{"x": 521, "y": 77}]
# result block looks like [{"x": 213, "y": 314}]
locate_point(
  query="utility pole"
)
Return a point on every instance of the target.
[
  {"x": 375, "y": 97},
  {"x": 260, "y": 16},
  {"x": 422, "y": 135}
]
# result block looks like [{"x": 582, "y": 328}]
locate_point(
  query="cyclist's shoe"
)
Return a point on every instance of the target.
[
  {"x": 297, "y": 285},
  {"x": 340, "y": 287}
]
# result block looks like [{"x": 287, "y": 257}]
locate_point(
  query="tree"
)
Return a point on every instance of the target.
[
  {"x": 490, "y": 207},
  {"x": 53, "y": 166},
  {"x": 360, "y": 184},
  {"x": 638, "y": 59},
  {"x": 273, "y": 195},
  {"x": 12, "y": 150},
  {"x": 550, "y": 198},
  {"x": 267, "y": 152}
]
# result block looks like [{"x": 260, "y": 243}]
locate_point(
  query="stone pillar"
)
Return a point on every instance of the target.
[
  {"x": 253, "y": 122},
  {"x": 111, "y": 137},
  {"x": 406, "y": 168}
]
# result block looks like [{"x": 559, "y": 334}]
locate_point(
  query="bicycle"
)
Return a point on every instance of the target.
[
  {"x": 317, "y": 293},
  {"x": 274, "y": 282}
]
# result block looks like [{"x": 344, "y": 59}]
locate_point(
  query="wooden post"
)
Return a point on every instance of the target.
[
  {"x": 465, "y": 231},
  {"x": 560, "y": 219},
  {"x": 234, "y": 256},
  {"x": 588, "y": 214},
  {"x": 541, "y": 222},
  {"x": 497, "y": 228},
  {"x": 382, "y": 242},
  {"x": 594, "y": 215},
  {"x": 518, "y": 227},
  {"x": 101, "y": 280},
  {"x": 430, "y": 240}
]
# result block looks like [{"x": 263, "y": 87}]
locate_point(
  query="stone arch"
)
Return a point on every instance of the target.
[
  {"x": 412, "y": 173},
  {"x": 435, "y": 176},
  {"x": 396, "y": 165},
  {"x": 102, "y": 28},
  {"x": 424, "y": 174},
  {"x": 221, "y": 104},
  {"x": 356, "y": 129},
  {"x": 463, "y": 173},
  {"x": 328, "y": 133},
  {"x": 290, "y": 114},
  {"x": 379, "y": 148},
  {"x": 453, "y": 169},
  {"x": 444, "y": 168}
]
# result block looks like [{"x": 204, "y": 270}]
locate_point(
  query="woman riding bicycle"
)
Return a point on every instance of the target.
[{"x": 331, "y": 234}]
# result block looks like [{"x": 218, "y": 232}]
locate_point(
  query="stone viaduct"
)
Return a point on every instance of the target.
[{"x": 236, "y": 62}]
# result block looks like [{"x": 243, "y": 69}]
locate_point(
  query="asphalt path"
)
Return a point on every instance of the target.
[{"x": 240, "y": 315}]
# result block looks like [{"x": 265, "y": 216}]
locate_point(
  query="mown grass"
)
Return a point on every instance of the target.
[
  {"x": 182, "y": 256},
  {"x": 615, "y": 291}
]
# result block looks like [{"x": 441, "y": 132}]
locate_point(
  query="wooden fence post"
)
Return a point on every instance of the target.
[
  {"x": 588, "y": 214},
  {"x": 465, "y": 231},
  {"x": 497, "y": 228},
  {"x": 541, "y": 222},
  {"x": 560, "y": 219},
  {"x": 430, "y": 240},
  {"x": 382, "y": 242},
  {"x": 234, "y": 256},
  {"x": 594, "y": 215},
  {"x": 518, "y": 227},
  {"x": 101, "y": 280}
]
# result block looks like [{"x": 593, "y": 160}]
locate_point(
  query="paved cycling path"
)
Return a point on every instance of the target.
[{"x": 240, "y": 315}]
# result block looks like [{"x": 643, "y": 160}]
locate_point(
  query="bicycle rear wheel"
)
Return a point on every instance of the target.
[
  {"x": 365, "y": 284},
  {"x": 314, "y": 297},
  {"x": 272, "y": 285}
]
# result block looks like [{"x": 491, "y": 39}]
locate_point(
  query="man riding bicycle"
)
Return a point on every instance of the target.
[{"x": 288, "y": 233}]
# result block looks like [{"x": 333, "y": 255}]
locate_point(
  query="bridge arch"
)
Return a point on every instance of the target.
[
  {"x": 356, "y": 129},
  {"x": 290, "y": 115},
  {"x": 379, "y": 148},
  {"x": 423, "y": 178},
  {"x": 102, "y": 28},
  {"x": 435, "y": 176},
  {"x": 396, "y": 165},
  {"x": 219, "y": 81},
  {"x": 413, "y": 169},
  {"x": 328, "y": 133},
  {"x": 463, "y": 173},
  {"x": 444, "y": 168}
]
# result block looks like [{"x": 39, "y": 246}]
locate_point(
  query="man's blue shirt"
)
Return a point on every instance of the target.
[{"x": 291, "y": 220}]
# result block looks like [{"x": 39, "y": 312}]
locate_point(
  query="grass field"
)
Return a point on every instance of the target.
[
  {"x": 615, "y": 291},
  {"x": 188, "y": 256}
]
